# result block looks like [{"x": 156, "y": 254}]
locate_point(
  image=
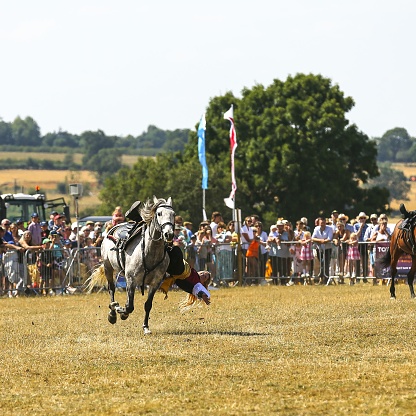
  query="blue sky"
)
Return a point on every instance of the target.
[{"x": 121, "y": 66}]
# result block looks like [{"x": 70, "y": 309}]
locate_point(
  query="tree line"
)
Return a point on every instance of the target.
[{"x": 25, "y": 133}]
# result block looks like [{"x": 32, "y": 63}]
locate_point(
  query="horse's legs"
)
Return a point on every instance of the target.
[
  {"x": 112, "y": 316},
  {"x": 147, "y": 308},
  {"x": 125, "y": 312},
  {"x": 393, "y": 270},
  {"x": 410, "y": 277}
]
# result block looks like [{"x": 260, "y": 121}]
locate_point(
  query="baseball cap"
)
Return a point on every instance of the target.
[
  {"x": 42, "y": 223},
  {"x": 46, "y": 240},
  {"x": 54, "y": 212},
  {"x": 35, "y": 214},
  {"x": 54, "y": 232},
  {"x": 19, "y": 221},
  {"x": 66, "y": 242}
]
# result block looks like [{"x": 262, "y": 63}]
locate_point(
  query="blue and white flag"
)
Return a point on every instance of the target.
[{"x": 201, "y": 151}]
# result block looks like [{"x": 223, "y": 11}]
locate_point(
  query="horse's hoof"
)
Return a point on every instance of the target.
[
  {"x": 112, "y": 318},
  {"x": 146, "y": 330},
  {"x": 124, "y": 316},
  {"x": 392, "y": 297}
]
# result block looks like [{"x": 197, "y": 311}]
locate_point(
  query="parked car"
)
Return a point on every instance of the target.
[{"x": 95, "y": 218}]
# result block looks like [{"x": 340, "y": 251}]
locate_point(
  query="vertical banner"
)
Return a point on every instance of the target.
[
  {"x": 201, "y": 151},
  {"x": 229, "y": 115}
]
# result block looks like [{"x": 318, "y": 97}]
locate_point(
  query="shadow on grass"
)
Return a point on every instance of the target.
[{"x": 227, "y": 333}]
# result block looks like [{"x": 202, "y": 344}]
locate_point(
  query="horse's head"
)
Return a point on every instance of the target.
[{"x": 165, "y": 218}]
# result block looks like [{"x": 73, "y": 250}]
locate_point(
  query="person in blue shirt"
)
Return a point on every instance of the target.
[
  {"x": 360, "y": 228},
  {"x": 322, "y": 236}
]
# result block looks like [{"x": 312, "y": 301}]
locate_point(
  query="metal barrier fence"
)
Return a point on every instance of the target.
[
  {"x": 60, "y": 270},
  {"x": 330, "y": 265},
  {"x": 53, "y": 271}
]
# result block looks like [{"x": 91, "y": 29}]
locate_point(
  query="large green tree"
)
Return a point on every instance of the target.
[{"x": 297, "y": 155}]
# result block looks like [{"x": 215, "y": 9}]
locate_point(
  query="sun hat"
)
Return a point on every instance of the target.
[
  {"x": 89, "y": 222},
  {"x": 343, "y": 217},
  {"x": 373, "y": 216},
  {"x": 362, "y": 214},
  {"x": 74, "y": 225}
]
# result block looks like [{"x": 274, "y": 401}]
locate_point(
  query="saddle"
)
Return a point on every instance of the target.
[
  {"x": 123, "y": 233},
  {"x": 407, "y": 226}
]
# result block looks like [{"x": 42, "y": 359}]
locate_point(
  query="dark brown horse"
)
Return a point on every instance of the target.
[{"x": 402, "y": 242}]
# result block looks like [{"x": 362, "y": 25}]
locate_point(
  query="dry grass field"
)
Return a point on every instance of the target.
[
  {"x": 126, "y": 159},
  {"x": 408, "y": 170},
  {"x": 336, "y": 350}
]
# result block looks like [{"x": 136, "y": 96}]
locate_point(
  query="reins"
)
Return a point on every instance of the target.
[{"x": 159, "y": 228}]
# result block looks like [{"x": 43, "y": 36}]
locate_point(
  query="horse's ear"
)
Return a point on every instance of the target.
[
  {"x": 169, "y": 201},
  {"x": 155, "y": 200}
]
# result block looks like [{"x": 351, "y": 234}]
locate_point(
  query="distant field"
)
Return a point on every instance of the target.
[
  {"x": 128, "y": 160},
  {"x": 19, "y": 180},
  {"x": 408, "y": 170}
]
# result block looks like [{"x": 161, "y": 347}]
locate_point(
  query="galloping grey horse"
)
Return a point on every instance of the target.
[{"x": 144, "y": 260}]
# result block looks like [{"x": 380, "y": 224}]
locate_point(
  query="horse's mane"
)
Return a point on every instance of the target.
[{"x": 149, "y": 208}]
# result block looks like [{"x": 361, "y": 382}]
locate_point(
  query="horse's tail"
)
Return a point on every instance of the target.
[
  {"x": 97, "y": 278},
  {"x": 385, "y": 260}
]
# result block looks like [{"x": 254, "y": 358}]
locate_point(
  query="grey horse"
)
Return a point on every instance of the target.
[{"x": 144, "y": 260}]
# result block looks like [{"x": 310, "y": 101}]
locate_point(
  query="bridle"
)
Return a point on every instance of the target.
[{"x": 159, "y": 227}]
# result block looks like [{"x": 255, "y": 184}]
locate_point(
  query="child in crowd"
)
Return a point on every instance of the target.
[
  {"x": 45, "y": 264},
  {"x": 117, "y": 216},
  {"x": 252, "y": 256},
  {"x": 306, "y": 255},
  {"x": 353, "y": 257},
  {"x": 191, "y": 250}
]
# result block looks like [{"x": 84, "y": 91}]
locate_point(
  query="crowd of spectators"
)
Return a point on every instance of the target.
[
  {"x": 43, "y": 247},
  {"x": 281, "y": 254}
]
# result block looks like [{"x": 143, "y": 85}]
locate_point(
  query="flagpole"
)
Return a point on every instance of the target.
[
  {"x": 202, "y": 160},
  {"x": 229, "y": 115},
  {"x": 204, "y": 213},
  {"x": 230, "y": 201}
]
